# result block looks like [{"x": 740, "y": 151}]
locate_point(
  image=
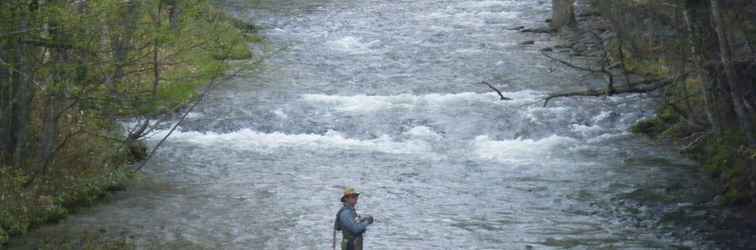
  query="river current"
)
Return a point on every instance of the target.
[{"x": 385, "y": 96}]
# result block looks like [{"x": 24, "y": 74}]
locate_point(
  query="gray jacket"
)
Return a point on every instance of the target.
[{"x": 346, "y": 221}]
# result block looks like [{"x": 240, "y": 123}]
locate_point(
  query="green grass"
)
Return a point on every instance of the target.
[
  {"x": 83, "y": 241},
  {"x": 53, "y": 197}
]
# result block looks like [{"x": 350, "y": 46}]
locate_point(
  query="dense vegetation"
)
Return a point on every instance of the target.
[
  {"x": 71, "y": 71},
  {"x": 704, "y": 51}
]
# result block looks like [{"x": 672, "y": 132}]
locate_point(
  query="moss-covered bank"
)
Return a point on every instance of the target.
[
  {"x": 24, "y": 208},
  {"x": 726, "y": 157}
]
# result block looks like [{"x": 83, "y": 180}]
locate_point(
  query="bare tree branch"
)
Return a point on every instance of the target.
[
  {"x": 201, "y": 97},
  {"x": 571, "y": 65},
  {"x": 503, "y": 98},
  {"x": 645, "y": 86}
]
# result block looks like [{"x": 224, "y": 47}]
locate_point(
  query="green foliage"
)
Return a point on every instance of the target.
[
  {"x": 676, "y": 131},
  {"x": 52, "y": 201},
  {"x": 189, "y": 56},
  {"x": 734, "y": 196},
  {"x": 13, "y": 219},
  {"x": 721, "y": 158},
  {"x": 663, "y": 123},
  {"x": 101, "y": 60},
  {"x": 719, "y": 155},
  {"x": 645, "y": 60},
  {"x": 657, "y": 67},
  {"x": 650, "y": 127},
  {"x": 84, "y": 241},
  {"x": 3, "y": 236}
]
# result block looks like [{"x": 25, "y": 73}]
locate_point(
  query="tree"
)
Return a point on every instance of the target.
[
  {"x": 736, "y": 90},
  {"x": 70, "y": 69}
]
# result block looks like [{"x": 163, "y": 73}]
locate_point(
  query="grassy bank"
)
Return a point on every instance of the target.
[
  {"x": 58, "y": 195},
  {"x": 173, "y": 49}
]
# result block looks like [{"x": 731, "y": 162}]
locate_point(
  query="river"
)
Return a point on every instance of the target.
[{"x": 385, "y": 96}]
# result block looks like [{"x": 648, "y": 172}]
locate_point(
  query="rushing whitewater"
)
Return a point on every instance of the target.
[{"x": 385, "y": 96}]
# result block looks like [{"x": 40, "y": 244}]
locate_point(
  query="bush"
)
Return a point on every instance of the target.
[
  {"x": 62, "y": 192},
  {"x": 86, "y": 241},
  {"x": 650, "y": 127},
  {"x": 3, "y": 236}
]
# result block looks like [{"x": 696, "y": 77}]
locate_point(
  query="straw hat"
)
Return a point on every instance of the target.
[{"x": 349, "y": 191}]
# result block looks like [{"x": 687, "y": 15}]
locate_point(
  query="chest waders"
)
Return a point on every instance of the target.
[{"x": 348, "y": 241}]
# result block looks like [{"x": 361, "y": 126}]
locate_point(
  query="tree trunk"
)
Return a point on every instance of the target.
[
  {"x": 156, "y": 52},
  {"x": 562, "y": 14},
  {"x": 53, "y": 94},
  {"x": 49, "y": 135},
  {"x": 23, "y": 92},
  {"x": 5, "y": 97},
  {"x": 696, "y": 57},
  {"x": 174, "y": 14},
  {"x": 736, "y": 91},
  {"x": 121, "y": 44}
]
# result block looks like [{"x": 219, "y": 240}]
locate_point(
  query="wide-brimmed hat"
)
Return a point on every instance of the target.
[{"x": 349, "y": 191}]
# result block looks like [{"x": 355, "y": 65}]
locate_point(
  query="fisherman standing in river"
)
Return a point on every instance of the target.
[{"x": 349, "y": 223}]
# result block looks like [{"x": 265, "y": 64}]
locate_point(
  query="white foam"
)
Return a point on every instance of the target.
[
  {"x": 519, "y": 151},
  {"x": 194, "y": 115},
  {"x": 423, "y": 132},
  {"x": 608, "y": 136},
  {"x": 475, "y": 13},
  {"x": 468, "y": 51},
  {"x": 365, "y": 103},
  {"x": 602, "y": 116},
  {"x": 539, "y": 115},
  {"x": 251, "y": 140},
  {"x": 280, "y": 113},
  {"x": 480, "y": 4},
  {"x": 352, "y": 45},
  {"x": 586, "y": 130}
]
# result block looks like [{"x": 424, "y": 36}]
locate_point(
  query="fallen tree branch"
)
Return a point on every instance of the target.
[
  {"x": 175, "y": 126},
  {"x": 503, "y": 98},
  {"x": 571, "y": 65},
  {"x": 697, "y": 138},
  {"x": 213, "y": 83},
  {"x": 642, "y": 87}
]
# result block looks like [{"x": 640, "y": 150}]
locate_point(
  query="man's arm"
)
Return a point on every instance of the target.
[{"x": 346, "y": 218}]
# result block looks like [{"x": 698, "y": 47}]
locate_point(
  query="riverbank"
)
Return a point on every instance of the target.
[
  {"x": 695, "y": 113},
  {"x": 25, "y": 208},
  {"x": 95, "y": 153},
  {"x": 654, "y": 51}
]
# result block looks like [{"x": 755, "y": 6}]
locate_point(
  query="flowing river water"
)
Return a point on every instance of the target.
[{"x": 384, "y": 96}]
